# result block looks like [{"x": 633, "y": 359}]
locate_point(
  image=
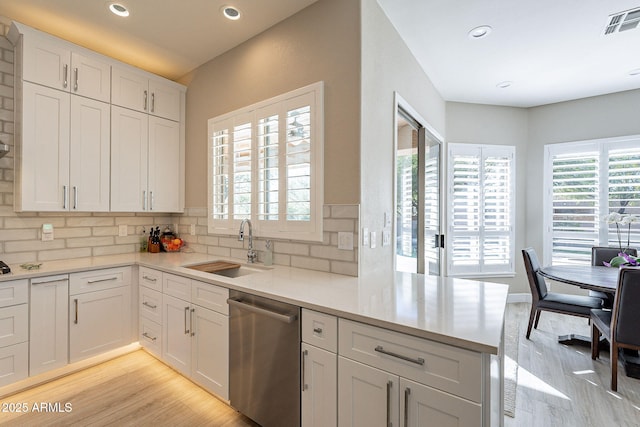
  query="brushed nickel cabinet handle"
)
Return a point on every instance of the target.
[
  {"x": 146, "y": 335},
  {"x": 149, "y": 305},
  {"x": 64, "y": 197},
  {"x": 389, "y": 385},
  {"x": 75, "y": 84},
  {"x": 186, "y": 312},
  {"x": 193, "y": 330},
  {"x": 305, "y": 386},
  {"x": 145, "y": 100},
  {"x": 153, "y": 102},
  {"x": 417, "y": 361},
  {"x": 107, "y": 279},
  {"x": 151, "y": 279},
  {"x": 317, "y": 330},
  {"x": 76, "y": 303},
  {"x": 407, "y": 392},
  {"x": 65, "y": 69},
  {"x": 75, "y": 197}
]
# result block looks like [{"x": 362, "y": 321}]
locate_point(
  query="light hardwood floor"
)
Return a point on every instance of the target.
[
  {"x": 560, "y": 385},
  {"x": 557, "y": 386},
  {"x": 132, "y": 390}
]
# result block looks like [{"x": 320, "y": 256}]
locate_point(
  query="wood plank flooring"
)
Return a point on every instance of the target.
[
  {"x": 132, "y": 390},
  {"x": 557, "y": 386},
  {"x": 560, "y": 385}
]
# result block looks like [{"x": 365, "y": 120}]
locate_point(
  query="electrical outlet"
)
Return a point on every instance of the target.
[
  {"x": 47, "y": 232},
  {"x": 122, "y": 230},
  {"x": 345, "y": 240},
  {"x": 365, "y": 237},
  {"x": 373, "y": 239}
]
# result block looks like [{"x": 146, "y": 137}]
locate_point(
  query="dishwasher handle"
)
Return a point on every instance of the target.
[{"x": 286, "y": 318}]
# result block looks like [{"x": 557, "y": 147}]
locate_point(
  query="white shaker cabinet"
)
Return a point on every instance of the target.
[
  {"x": 145, "y": 167},
  {"x": 99, "y": 311},
  {"x": 56, "y": 63},
  {"x": 48, "y": 326},
  {"x": 62, "y": 162},
  {"x": 176, "y": 336},
  {"x": 145, "y": 93},
  {"x": 319, "y": 398},
  {"x": 14, "y": 331}
]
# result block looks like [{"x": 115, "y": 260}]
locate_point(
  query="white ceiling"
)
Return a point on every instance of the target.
[
  {"x": 166, "y": 37},
  {"x": 552, "y": 50}
]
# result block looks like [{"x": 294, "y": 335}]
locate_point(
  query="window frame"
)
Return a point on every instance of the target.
[
  {"x": 602, "y": 233},
  {"x": 281, "y": 228},
  {"x": 481, "y": 269}
]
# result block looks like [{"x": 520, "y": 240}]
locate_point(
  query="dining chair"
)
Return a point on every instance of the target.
[
  {"x": 619, "y": 325},
  {"x": 599, "y": 255},
  {"x": 543, "y": 300}
]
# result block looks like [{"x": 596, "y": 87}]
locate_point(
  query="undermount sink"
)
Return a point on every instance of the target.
[{"x": 226, "y": 268}]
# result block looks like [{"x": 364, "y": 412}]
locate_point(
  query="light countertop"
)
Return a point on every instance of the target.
[{"x": 464, "y": 313}]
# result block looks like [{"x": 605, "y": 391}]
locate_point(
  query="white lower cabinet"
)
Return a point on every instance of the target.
[
  {"x": 389, "y": 378},
  {"x": 99, "y": 312},
  {"x": 48, "y": 326},
  {"x": 14, "y": 331},
  {"x": 185, "y": 323},
  {"x": 319, "y": 387}
]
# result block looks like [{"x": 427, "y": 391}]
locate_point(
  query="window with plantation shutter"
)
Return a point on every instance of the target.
[
  {"x": 584, "y": 182},
  {"x": 481, "y": 209},
  {"x": 265, "y": 164}
]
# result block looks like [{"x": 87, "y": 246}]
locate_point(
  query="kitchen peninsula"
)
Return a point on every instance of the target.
[{"x": 455, "y": 325}]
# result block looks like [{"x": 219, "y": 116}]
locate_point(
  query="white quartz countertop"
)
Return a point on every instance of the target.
[{"x": 464, "y": 313}]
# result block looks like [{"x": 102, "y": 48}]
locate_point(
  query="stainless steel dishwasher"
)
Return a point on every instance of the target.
[{"x": 264, "y": 359}]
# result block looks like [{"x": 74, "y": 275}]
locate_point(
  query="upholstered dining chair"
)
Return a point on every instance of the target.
[
  {"x": 542, "y": 299},
  {"x": 619, "y": 325},
  {"x": 599, "y": 255}
]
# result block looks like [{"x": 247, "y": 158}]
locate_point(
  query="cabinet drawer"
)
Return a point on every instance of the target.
[
  {"x": 14, "y": 324},
  {"x": 451, "y": 369},
  {"x": 176, "y": 286},
  {"x": 14, "y": 292},
  {"x": 14, "y": 363},
  {"x": 97, "y": 280},
  {"x": 150, "y": 278},
  {"x": 210, "y": 296},
  {"x": 320, "y": 329},
  {"x": 151, "y": 337},
  {"x": 151, "y": 304}
]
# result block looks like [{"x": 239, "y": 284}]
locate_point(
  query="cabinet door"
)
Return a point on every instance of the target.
[
  {"x": 44, "y": 160},
  {"x": 129, "y": 153},
  {"x": 14, "y": 363},
  {"x": 368, "y": 397},
  {"x": 210, "y": 350},
  {"x": 165, "y": 100},
  {"x": 46, "y": 61},
  {"x": 90, "y": 77},
  {"x": 129, "y": 89},
  {"x": 423, "y": 406},
  {"x": 99, "y": 321},
  {"x": 90, "y": 155},
  {"x": 165, "y": 184},
  {"x": 48, "y": 342},
  {"x": 14, "y": 324},
  {"x": 176, "y": 334},
  {"x": 319, "y": 387}
]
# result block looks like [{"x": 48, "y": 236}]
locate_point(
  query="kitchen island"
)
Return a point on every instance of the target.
[{"x": 455, "y": 315}]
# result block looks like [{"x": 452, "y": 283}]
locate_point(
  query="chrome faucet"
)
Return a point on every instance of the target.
[{"x": 252, "y": 255}]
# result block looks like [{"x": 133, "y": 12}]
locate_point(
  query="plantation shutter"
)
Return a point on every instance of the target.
[{"x": 481, "y": 209}]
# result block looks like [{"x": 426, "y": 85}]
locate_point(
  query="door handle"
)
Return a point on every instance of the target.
[
  {"x": 146, "y": 335},
  {"x": 305, "y": 353},
  {"x": 407, "y": 392},
  {"x": 75, "y": 84},
  {"x": 287, "y": 318},
  {"x": 389, "y": 384},
  {"x": 193, "y": 332},
  {"x": 186, "y": 312},
  {"x": 149, "y": 305},
  {"x": 417, "y": 361},
  {"x": 75, "y": 197},
  {"x": 65, "y": 69},
  {"x": 153, "y": 102},
  {"x": 145, "y": 100},
  {"x": 64, "y": 197},
  {"x": 76, "y": 304}
]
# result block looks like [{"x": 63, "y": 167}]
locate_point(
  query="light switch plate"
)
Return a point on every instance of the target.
[
  {"x": 365, "y": 237},
  {"x": 386, "y": 237},
  {"x": 47, "y": 232},
  {"x": 373, "y": 239},
  {"x": 122, "y": 230}
]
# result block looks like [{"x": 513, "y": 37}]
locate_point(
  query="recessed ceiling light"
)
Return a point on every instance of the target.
[
  {"x": 118, "y": 9},
  {"x": 230, "y": 12},
  {"x": 505, "y": 84},
  {"x": 635, "y": 72},
  {"x": 479, "y": 32}
]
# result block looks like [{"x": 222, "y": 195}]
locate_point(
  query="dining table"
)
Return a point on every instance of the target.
[{"x": 593, "y": 278}]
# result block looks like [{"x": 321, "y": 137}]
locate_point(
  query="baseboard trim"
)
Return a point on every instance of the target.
[{"x": 514, "y": 298}]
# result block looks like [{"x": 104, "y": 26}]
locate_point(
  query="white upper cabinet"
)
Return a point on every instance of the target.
[
  {"x": 62, "y": 65},
  {"x": 145, "y": 93}
]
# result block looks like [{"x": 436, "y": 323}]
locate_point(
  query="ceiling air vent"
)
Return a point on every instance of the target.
[{"x": 623, "y": 21}]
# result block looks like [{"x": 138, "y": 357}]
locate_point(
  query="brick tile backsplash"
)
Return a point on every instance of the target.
[{"x": 94, "y": 234}]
